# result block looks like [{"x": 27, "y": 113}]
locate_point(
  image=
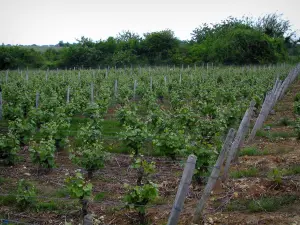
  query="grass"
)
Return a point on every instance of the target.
[
  {"x": 8, "y": 200},
  {"x": 160, "y": 201},
  {"x": 293, "y": 170},
  {"x": 281, "y": 107},
  {"x": 41, "y": 205},
  {"x": 48, "y": 206},
  {"x": 57, "y": 206},
  {"x": 270, "y": 204},
  {"x": 274, "y": 135},
  {"x": 62, "y": 193},
  {"x": 237, "y": 205},
  {"x": 253, "y": 151},
  {"x": 263, "y": 204},
  {"x": 110, "y": 130},
  {"x": 3, "y": 180},
  {"x": 110, "y": 127},
  {"x": 99, "y": 196},
  {"x": 297, "y": 97},
  {"x": 52, "y": 205},
  {"x": 285, "y": 122},
  {"x": 251, "y": 172},
  {"x": 116, "y": 146}
]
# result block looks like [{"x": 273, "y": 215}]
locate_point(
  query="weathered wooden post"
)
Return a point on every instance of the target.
[
  {"x": 1, "y": 105},
  {"x": 213, "y": 176},
  {"x": 116, "y": 88},
  {"x": 240, "y": 136},
  {"x": 180, "y": 78},
  {"x": 26, "y": 76},
  {"x": 244, "y": 127},
  {"x": 88, "y": 219},
  {"x": 37, "y": 96},
  {"x": 6, "y": 76},
  {"x": 68, "y": 95},
  {"x": 182, "y": 189},
  {"x": 150, "y": 83},
  {"x": 264, "y": 112},
  {"x": 134, "y": 89},
  {"x": 92, "y": 93}
]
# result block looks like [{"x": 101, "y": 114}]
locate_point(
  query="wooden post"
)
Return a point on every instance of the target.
[
  {"x": 92, "y": 93},
  {"x": 26, "y": 76},
  {"x": 37, "y": 96},
  {"x": 240, "y": 136},
  {"x": 6, "y": 76},
  {"x": 289, "y": 79},
  {"x": 165, "y": 79},
  {"x": 1, "y": 107},
  {"x": 277, "y": 93},
  {"x": 88, "y": 219},
  {"x": 134, "y": 89},
  {"x": 213, "y": 176},
  {"x": 182, "y": 189},
  {"x": 206, "y": 68},
  {"x": 244, "y": 127},
  {"x": 116, "y": 88},
  {"x": 264, "y": 112},
  {"x": 180, "y": 78},
  {"x": 68, "y": 95}
]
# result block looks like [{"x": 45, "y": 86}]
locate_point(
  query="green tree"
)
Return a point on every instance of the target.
[{"x": 160, "y": 46}]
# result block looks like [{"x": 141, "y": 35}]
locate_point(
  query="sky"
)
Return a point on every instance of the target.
[{"x": 45, "y": 22}]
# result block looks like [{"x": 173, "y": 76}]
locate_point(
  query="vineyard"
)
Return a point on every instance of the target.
[{"x": 112, "y": 144}]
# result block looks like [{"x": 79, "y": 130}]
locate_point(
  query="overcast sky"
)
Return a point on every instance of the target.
[{"x": 49, "y": 21}]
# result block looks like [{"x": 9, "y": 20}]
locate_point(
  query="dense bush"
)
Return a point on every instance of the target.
[
  {"x": 239, "y": 44},
  {"x": 268, "y": 39},
  {"x": 19, "y": 57}
]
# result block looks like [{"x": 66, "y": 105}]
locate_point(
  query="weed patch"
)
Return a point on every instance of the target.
[
  {"x": 253, "y": 151},
  {"x": 270, "y": 204},
  {"x": 251, "y": 172}
]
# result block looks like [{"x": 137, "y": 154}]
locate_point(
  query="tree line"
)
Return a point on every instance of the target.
[{"x": 233, "y": 41}]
